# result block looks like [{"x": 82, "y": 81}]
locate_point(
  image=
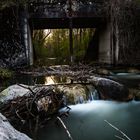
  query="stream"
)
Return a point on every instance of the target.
[{"x": 86, "y": 121}]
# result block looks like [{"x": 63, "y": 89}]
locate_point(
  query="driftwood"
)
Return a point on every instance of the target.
[
  {"x": 66, "y": 129},
  {"x": 120, "y": 131},
  {"x": 23, "y": 109},
  {"x": 74, "y": 71}
]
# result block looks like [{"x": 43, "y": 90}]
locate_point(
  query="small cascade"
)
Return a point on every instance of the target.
[
  {"x": 78, "y": 93},
  {"x": 93, "y": 95},
  {"x": 79, "y": 100}
]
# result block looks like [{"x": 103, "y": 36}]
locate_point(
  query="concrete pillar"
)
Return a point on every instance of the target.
[
  {"x": 26, "y": 36},
  {"x": 105, "y": 44},
  {"x": 116, "y": 45},
  {"x": 30, "y": 46}
]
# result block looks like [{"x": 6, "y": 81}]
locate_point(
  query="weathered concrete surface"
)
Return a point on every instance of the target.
[
  {"x": 8, "y": 132},
  {"x": 105, "y": 44},
  {"x": 12, "y": 51}
]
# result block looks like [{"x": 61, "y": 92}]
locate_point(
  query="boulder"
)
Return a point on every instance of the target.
[
  {"x": 13, "y": 92},
  {"x": 109, "y": 89},
  {"x": 8, "y": 132},
  {"x": 42, "y": 98}
]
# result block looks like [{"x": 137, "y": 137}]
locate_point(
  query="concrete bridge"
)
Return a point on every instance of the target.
[
  {"x": 58, "y": 13},
  {"x": 55, "y": 14}
]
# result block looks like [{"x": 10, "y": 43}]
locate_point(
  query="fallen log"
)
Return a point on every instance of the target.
[{"x": 37, "y": 102}]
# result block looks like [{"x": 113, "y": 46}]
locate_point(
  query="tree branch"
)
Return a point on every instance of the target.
[{"x": 117, "y": 129}]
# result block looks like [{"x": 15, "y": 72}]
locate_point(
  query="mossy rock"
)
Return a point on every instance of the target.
[{"x": 74, "y": 93}]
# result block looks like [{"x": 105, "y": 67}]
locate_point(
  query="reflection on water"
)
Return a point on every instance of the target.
[
  {"x": 56, "y": 79},
  {"x": 86, "y": 122},
  {"x": 128, "y": 79},
  {"x": 49, "y": 80},
  {"x": 32, "y": 80}
]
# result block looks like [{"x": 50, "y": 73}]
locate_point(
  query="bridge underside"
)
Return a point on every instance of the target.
[{"x": 61, "y": 23}]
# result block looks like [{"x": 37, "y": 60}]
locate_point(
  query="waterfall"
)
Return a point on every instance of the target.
[{"x": 93, "y": 95}]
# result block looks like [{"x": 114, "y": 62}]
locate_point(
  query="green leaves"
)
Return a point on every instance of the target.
[
  {"x": 56, "y": 44},
  {"x": 5, "y": 73},
  {"x": 8, "y": 3}
]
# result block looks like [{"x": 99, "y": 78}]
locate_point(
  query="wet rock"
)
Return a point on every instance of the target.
[
  {"x": 135, "y": 93},
  {"x": 74, "y": 93},
  {"x": 8, "y": 132},
  {"x": 12, "y": 92},
  {"x": 109, "y": 89}
]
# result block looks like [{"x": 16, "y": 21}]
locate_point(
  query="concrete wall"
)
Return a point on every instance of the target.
[
  {"x": 105, "y": 44},
  {"x": 12, "y": 50},
  {"x": 26, "y": 36}
]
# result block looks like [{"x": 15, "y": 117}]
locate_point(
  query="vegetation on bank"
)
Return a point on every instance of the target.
[
  {"x": 5, "y": 73},
  {"x": 54, "y": 44},
  {"x": 8, "y": 3}
]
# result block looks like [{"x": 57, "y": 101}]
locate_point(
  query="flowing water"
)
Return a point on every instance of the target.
[
  {"x": 86, "y": 122},
  {"x": 129, "y": 79}
]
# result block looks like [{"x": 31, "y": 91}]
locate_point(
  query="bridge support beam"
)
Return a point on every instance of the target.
[
  {"x": 108, "y": 44},
  {"x": 70, "y": 31},
  {"x": 115, "y": 44},
  {"x": 105, "y": 44},
  {"x": 26, "y": 36},
  {"x": 71, "y": 41}
]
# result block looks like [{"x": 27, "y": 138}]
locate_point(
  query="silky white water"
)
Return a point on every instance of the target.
[{"x": 86, "y": 122}]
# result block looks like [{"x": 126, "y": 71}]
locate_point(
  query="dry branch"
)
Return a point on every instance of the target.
[
  {"x": 119, "y": 137},
  {"x": 25, "y": 108},
  {"x": 124, "y": 135},
  {"x": 66, "y": 129}
]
